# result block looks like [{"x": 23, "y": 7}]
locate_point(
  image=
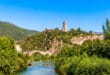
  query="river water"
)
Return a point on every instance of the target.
[{"x": 39, "y": 68}]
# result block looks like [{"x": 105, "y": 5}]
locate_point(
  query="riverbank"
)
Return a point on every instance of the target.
[{"x": 39, "y": 68}]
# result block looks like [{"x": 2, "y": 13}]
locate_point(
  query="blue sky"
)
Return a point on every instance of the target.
[{"x": 41, "y": 14}]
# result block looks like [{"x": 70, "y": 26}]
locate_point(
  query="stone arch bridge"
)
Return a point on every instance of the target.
[{"x": 30, "y": 53}]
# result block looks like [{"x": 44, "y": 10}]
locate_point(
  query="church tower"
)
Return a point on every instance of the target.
[{"x": 64, "y": 29}]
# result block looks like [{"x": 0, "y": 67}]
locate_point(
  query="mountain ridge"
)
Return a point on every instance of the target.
[{"x": 14, "y": 31}]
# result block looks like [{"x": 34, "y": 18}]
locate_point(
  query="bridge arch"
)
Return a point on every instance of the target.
[
  {"x": 37, "y": 56},
  {"x": 30, "y": 53},
  {"x": 36, "y": 53}
]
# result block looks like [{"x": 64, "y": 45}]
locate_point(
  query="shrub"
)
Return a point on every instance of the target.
[{"x": 84, "y": 65}]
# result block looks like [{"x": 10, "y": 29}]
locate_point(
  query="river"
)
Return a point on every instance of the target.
[{"x": 39, "y": 68}]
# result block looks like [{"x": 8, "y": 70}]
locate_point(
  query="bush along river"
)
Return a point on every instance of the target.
[{"x": 39, "y": 68}]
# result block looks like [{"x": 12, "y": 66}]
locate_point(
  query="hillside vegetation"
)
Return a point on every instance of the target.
[
  {"x": 53, "y": 39},
  {"x": 11, "y": 30}
]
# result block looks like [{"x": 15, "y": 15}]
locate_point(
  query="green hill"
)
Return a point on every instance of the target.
[
  {"x": 11, "y": 30},
  {"x": 50, "y": 39}
]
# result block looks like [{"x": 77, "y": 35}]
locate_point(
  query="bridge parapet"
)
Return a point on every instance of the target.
[{"x": 30, "y": 53}]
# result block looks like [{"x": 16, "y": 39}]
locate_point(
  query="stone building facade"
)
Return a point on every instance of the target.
[{"x": 64, "y": 29}]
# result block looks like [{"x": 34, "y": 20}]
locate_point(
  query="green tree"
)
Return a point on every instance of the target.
[
  {"x": 106, "y": 29},
  {"x": 10, "y": 60}
]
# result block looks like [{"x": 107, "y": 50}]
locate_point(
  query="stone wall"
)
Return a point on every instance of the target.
[{"x": 80, "y": 39}]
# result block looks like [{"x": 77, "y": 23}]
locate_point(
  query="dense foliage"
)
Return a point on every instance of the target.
[
  {"x": 91, "y": 58},
  {"x": 101, "y": 48},
  {"x": 83, "y": 65},
  {"x": 9, "y": 29},
  {"x": 10, "y": 60},
  {"x": 38, "y": 57}
]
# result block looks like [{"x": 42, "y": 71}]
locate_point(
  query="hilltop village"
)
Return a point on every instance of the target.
[
  {"x": 56, "y": 45},
  {"x": 81, "y": 38}
]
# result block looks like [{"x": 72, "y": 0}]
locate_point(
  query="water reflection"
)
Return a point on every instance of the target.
[{"x": 39, "y": 68}]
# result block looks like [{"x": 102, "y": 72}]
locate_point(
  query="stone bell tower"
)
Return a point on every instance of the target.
[{"x": 64, "y": 29}]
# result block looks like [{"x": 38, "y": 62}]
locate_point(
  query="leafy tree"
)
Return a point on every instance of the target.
[
  {"x": 106, "y": 29},
  {"x": 10, "y": 60},
  {"x": 100, "y": 48},
  {"x": 68, "y": 51}
]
